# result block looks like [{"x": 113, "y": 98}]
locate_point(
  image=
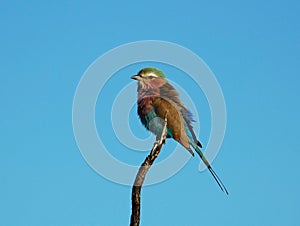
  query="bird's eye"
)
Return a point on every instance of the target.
[{"x": 150, "y": 77}]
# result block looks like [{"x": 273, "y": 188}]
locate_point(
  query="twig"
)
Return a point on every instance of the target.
[{"x": 140, "y": 177}]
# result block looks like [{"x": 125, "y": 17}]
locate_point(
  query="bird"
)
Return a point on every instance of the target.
[{"x": 158, "y": 99}]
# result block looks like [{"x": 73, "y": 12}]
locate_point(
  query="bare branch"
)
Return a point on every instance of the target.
[{"x": 140, "y": 177}]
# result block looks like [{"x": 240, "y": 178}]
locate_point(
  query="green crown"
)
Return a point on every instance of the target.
[{"x": 153, "y": 70}]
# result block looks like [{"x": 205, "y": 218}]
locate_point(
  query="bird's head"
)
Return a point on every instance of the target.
[{"x": 150, "y": 77}]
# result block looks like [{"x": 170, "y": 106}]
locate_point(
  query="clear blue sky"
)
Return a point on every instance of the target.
[{"x": 253, "y": 47}]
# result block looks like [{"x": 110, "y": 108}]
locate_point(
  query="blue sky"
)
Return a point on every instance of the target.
[{"x": 253, "y": 49}]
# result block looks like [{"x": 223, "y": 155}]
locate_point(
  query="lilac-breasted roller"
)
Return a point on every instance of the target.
[{"x": 156, "y": 97}]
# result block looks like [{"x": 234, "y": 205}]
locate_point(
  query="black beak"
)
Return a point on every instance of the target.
[{"x": 135, "y": 77}]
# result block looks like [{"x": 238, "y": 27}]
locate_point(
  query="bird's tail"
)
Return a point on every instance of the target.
[{"x": 213, "y": 173}]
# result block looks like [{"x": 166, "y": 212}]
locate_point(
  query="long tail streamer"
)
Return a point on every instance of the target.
[{"x": 213, "y": 173}]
